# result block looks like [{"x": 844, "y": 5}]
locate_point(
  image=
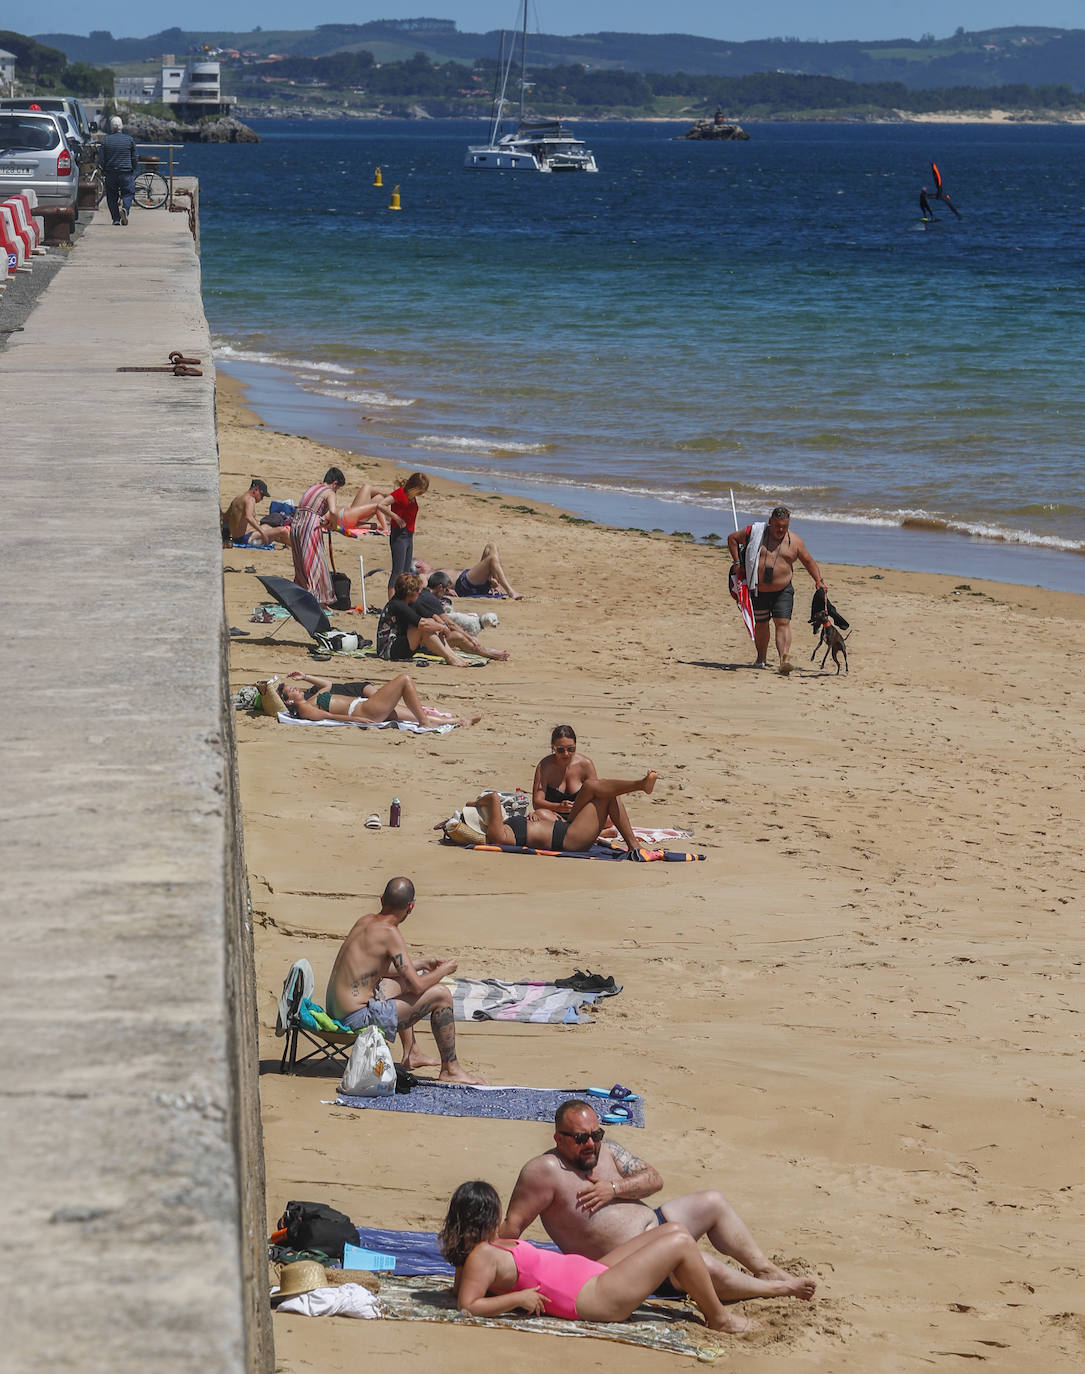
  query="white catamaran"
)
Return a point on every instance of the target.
[{"x": 541, "y": 145}]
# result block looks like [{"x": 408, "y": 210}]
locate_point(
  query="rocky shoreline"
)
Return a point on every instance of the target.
[{"x": 151, "y": 129}]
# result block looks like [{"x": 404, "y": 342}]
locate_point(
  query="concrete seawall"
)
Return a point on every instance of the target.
[{"x": 129, "y": 1112}]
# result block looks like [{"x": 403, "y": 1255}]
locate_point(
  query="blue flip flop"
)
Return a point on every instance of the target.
[
  {"x": 621, "y": 1094},
  {"x": 597, "y": 1092},
  {"x": 618, "y": 1116}
]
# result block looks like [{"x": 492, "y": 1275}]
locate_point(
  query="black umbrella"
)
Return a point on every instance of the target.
[{"x": 301, "y": 604}]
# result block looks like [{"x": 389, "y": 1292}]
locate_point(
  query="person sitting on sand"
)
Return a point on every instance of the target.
[
  {"x": 430, "y": 604},
  {"x": 494, "y": 1276},
  {"x": 374, "y": 982},
  {"x": 588, "y": 1197},
  {"x": 358, "y": 701},
  {"x": 559, "y": 776},
  {"x": 367, "y": 504},
  {"x": 240, "y": 525},
  {"x": 403, "y": 630},
  {"x": 597, "y": 804},
  {"x": 485, "y": 578}
]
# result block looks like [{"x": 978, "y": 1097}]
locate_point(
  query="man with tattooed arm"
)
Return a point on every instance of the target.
[
  {"x": 588, "y": 1195},
  {"x": 374, "y": 982}
]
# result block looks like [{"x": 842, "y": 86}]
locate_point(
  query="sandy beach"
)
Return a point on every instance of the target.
[{"x": 856, "y": 1018}]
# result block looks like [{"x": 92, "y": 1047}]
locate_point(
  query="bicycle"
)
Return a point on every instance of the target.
[
  {"x": 95, "y": 179},
  {"x": 151, "y": 190}
]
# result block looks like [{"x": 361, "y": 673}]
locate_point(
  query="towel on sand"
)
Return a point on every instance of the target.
[
  {"x": 659, "y": 1326},
  {"x": 490, "y": 999},
  {"x": 285, "y": 718},
  {"x": 597, "y": 851},
  {"x": 496, "y": 1103}
]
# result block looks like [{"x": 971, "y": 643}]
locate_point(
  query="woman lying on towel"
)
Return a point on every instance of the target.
[
  {"x": 598, "y": 804},
  {"x": 496, "y": 1276},
  {"x": 363, "y": 701}
]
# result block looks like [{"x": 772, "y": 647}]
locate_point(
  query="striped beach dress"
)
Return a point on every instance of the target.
[{"x": 307, "y": 544}]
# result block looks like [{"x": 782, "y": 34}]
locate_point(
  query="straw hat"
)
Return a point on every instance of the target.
[{"x": 300, "y": 1277}]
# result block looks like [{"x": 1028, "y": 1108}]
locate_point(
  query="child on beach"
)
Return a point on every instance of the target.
[{"x": 404, "y": 513}]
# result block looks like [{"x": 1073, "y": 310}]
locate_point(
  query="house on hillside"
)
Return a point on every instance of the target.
[{"x": 7, "y": 72}]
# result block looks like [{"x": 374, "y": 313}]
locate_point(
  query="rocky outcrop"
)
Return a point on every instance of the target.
[
  {"x": 149, "y": 129},
  {"x": 717, "y": 128}
]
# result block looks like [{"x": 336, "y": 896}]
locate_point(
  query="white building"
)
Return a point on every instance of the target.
[
  {"x": 195, "y": 84},
  {"x": 7, "y": 72}
]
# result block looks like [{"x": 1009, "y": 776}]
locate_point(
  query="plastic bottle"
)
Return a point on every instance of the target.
[{"x": 395, "y": 813}]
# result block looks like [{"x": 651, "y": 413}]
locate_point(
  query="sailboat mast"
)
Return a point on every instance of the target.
[
  {"x": 523, "y": 63},
  {"x": 499, "y": 91}
]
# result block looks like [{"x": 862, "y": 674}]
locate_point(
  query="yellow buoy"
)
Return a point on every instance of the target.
[
  {"x": 395, "y": 205},
  {"x": 377, "y": 179}
]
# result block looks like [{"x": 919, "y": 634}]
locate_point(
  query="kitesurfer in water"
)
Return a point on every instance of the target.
[{"x": 940, "y": 193}]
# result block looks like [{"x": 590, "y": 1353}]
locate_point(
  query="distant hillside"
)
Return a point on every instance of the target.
[{"x": 1023, "y": 55}]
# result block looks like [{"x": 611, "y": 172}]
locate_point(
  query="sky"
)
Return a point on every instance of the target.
[{"x": 807, "y": 19}]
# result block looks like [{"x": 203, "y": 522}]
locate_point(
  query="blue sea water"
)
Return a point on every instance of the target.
[{"x": 770, "y": 317}]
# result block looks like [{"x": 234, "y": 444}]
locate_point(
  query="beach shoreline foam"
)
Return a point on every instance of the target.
[{"x": 857, "y": 1018}]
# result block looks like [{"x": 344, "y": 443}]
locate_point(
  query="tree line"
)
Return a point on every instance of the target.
[{"x": 589, "y": 91}]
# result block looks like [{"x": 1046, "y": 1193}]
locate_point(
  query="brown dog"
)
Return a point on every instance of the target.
[{"x": 833, "y": 641}]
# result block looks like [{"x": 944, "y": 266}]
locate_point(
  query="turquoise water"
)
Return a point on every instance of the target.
[{"x": 769, "y": 317}]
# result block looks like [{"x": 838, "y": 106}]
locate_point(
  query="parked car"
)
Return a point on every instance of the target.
[
  {"x": 34, "y": 155},
  {"x": 65, "y": 104}
]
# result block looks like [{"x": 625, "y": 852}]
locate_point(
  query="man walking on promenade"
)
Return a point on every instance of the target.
[
  {"x": 374, "y": 951},
  {"x": 768, "y": 552},
  {"x": 117, "y": 161}
]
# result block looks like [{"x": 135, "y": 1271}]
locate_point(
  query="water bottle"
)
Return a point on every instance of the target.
[
  {"x": 395, "y": 813},
  {"x": 521, "y": 802}
]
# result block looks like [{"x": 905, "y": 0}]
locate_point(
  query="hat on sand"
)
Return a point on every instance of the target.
[
  {"x": 300, "y": 1277},
  {"x": 439, "y": 579}
]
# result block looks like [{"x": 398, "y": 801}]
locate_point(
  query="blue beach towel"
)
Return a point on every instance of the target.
[{"x": 498, "y": 1104}]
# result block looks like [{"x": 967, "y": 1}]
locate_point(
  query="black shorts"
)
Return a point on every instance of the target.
[
  {"x": 666, "y": 1289},
  {"x": 774, "y": 605}
]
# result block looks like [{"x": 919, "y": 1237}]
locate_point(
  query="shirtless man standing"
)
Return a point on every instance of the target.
[
  {"x": 588, "y": 1196},
  {"x": 374, "y": 951},
  {"x": 770, "y": 551},
  {"x": 240, "y": 519}
]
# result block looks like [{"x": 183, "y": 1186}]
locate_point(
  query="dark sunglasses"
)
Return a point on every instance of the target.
[
  {"x": 559, "y": 750},
  {"x": 582, "y": 1137}
]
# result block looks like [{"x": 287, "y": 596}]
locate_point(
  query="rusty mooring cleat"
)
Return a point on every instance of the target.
[{"x": 178, "y": 364}]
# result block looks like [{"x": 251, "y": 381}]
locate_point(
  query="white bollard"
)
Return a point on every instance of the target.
[{"x": 361, "y": 582}]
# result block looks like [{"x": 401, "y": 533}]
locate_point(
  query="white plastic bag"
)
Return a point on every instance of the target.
[{"x": 370, "y": 1070}]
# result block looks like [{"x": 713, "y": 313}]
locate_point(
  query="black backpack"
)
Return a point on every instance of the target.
[{"x": 315, "y": 1226}]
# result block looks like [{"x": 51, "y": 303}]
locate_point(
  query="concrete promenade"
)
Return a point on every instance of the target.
[{"x": 129, "y": 1108}]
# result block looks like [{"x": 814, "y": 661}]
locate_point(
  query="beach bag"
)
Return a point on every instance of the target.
[
  {"x": 316, "y": 1226},
  {"x": 340, "y": 642},
  {"x": 270, "y": 699},
  {"x": 370, "y": 1070},
  {"x": 341, "y": 587}
]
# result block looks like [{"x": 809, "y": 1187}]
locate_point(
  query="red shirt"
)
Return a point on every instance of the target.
[{"x": 405, "y": 507}]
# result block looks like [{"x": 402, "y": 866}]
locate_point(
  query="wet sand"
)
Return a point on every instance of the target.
[{"x": 860, "y": 1018}]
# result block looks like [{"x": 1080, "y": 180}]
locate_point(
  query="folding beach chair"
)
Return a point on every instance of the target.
[{"x": 331, "y": 1045}]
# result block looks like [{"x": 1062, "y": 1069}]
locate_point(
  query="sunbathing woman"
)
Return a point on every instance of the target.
[
  {"x": 368, "y": 504},
  {"x": 559, "y": 776},
  {"x": 598, "y": 804},
  {"x": 519, "y": 1274},
  {"x": 395, "y": 700}
]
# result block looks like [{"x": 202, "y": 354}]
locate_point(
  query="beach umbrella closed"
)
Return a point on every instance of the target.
[{"x": 301, "y": 604}]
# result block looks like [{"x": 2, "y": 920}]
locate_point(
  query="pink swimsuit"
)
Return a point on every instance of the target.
[{"x": 559, "y": 1277}]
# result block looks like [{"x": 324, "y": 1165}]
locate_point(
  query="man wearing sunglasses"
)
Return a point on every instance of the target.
[{"x": 588, "y": 1193}]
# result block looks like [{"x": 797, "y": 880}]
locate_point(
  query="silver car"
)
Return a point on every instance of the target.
[{"x": 34, "y": 156}]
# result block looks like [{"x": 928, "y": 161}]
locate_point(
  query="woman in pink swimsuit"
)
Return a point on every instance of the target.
[{"x": 496, "y": 1276}]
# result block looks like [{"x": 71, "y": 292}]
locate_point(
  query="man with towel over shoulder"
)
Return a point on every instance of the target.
[{"x": 768, "y": 551}]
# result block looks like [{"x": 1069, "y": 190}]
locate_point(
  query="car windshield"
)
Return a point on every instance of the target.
[{"x": 22, "y": 131}]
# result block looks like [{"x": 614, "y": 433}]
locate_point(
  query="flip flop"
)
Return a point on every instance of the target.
[
  {"x": 596, "y": 1092},
  {"x": 623, "y": 1094},
  {"x": 618, "y": 1116},
  {"x": 373, "y": 822}
]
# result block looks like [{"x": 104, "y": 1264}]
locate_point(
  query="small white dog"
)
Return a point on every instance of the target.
[{"x": 473, "y": 624}]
